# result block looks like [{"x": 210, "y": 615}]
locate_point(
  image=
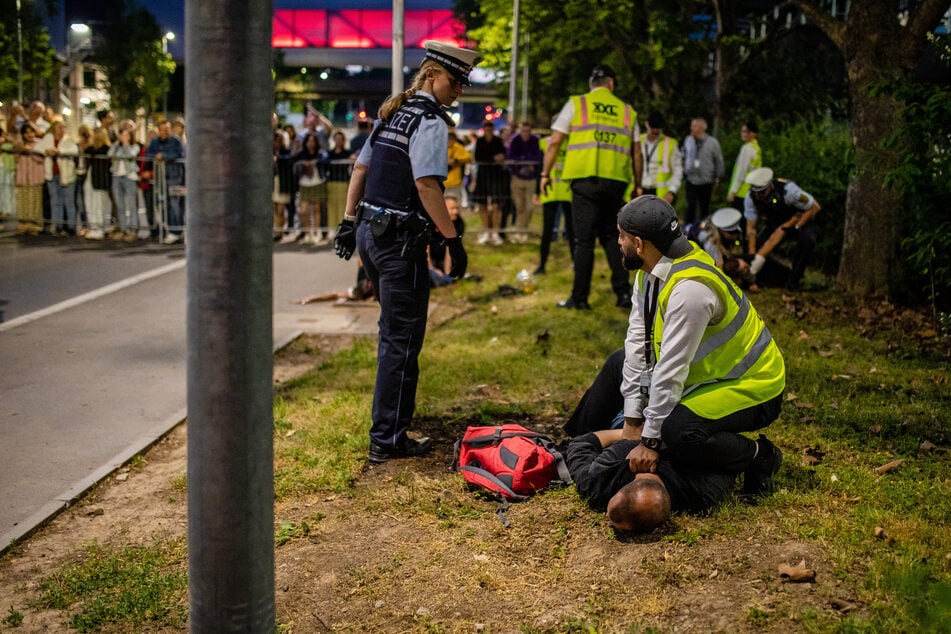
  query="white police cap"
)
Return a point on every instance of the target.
[
  {"x": 759, "y": 178},
  {"x": 458, "y": 61}
]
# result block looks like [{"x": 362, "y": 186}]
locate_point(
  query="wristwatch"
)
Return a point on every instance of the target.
[{"x": 651, "y": 443}]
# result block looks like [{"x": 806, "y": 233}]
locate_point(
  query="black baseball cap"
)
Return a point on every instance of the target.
[
  {"x": 603, "y": 70},
  {"x": 653, "y": 219}
]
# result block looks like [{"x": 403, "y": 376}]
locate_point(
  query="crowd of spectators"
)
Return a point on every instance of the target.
[{"x": 91, "y": 185}]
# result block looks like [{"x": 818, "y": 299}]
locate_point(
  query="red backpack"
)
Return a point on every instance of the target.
[{"x": 509, "y": 460}]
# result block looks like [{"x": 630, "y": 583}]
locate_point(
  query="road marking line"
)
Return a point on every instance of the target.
[{"x": 91, "y": 295}]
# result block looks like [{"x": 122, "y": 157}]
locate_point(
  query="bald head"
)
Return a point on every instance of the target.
[{"x": 640, "y": 506}]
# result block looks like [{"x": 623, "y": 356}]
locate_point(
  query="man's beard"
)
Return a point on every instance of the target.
[{"x": 632, "y": 262}]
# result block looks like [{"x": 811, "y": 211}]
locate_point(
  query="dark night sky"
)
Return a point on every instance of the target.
[{"x": 170, "y": 15}]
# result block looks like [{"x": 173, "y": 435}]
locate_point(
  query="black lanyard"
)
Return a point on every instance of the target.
[{"x": 650, "y": 311}]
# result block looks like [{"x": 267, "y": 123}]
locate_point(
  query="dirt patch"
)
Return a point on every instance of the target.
[{"x": 410, "y": 549}]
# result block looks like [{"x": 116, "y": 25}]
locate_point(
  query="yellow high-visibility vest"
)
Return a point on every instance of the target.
[
  {"x": 601, "y": 137},
  {"x": 664, "y": 171},
  {"x": 755, "y": 163},
  {"x": 738, "y": 364},
  {"x": 560, "y": 189}
]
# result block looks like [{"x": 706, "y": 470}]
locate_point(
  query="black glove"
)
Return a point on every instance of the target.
[
  {"x": 460, "y": 260},
  {"x": 345, "y": 242}
]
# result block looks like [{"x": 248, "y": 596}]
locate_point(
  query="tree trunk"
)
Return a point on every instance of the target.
[
  {"x": 878, "y": 49},
  {"x": 872, "y": 210}
]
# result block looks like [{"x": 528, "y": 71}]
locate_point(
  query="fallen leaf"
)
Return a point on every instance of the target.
[
  {"x": 494, "y": 310},
  {"x": 834, "y": 404},
  {"x": 875, "y": 429},
  {"x": 885, "y": 468},
  {"x": 803, "y": 335},
  {"x": 290, "y": 433},
  {"x": 927, "y": 333},
  {"x": 122, "y": 477},
  {"x": 878, "y": 532},
  {"x": 93, "y": 512},
  {"x": 825, "y": 353},
  {"x": 797, "y": 573},
  {"x": 812, "y": 455},
  {"x": 714, "y": 574},
  {"x": 804, "y": 405},
  {"x": 834, "y": 478},
  {"x": 791, "y": 397},
  {"x": 841, "y": 377},
  {"x": 842, "y": 606},
  {"x": 927, "y": 446}
]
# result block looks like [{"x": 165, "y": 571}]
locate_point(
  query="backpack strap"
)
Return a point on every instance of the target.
[
  {"x": 482, "y": 473},
  {"x": 563, "y": 474}
]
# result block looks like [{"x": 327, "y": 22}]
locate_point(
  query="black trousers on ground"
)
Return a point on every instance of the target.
[
  {"x": 698, "y": 201},
  {"x": 549, "y": 213},
  {"x": 806, "y": 239},
  {"x": 594, "y": 208},
  {"x": 704, "y": 442}
]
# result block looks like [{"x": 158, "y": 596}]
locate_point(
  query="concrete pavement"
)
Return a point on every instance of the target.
[{"x": 95, "y": 372}]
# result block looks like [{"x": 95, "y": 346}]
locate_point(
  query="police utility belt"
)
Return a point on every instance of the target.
[{"x": 389, "y": 225}]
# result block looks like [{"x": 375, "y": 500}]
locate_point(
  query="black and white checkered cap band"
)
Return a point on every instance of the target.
[{"x": 458, "y": 69}]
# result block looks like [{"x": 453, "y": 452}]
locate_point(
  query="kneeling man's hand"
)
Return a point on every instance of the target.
[{"x": 642, "y": 460}]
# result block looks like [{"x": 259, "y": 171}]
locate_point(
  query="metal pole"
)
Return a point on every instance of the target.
[
  {"x": 19, "y": 55},
  {"x": 513, "y": 70},
  {"x": 398, "y": 43},
  {"x": 525, "y": 79},
  {"x": 165, "y": 92},
  {"x": 229, "y": 320}
]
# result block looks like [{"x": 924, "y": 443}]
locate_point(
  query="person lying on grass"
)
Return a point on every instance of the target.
[{"x": 639, "y": 502}]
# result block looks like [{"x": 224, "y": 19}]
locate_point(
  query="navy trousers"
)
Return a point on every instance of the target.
[{"x": 402, "y": 289}]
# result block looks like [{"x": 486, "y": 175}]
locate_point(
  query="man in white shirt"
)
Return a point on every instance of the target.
[
  {"x": 699, "y": 366},
  {"x": 663, "y": 166}
]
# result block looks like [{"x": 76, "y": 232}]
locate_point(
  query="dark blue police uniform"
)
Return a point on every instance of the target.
[{"x": 390, "y": 218}]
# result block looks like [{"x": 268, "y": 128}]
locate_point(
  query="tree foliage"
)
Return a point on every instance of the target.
[
  {"x": 130, "y": 52},
  {"x": 655, "y": 47},
  {"x": 40, "y": 69}
]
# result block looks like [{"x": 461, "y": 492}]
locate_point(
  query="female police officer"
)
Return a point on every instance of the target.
[{"x": 395, "y": 198}]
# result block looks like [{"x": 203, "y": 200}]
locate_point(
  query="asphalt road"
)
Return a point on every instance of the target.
[{"x": 92, "y": 343}]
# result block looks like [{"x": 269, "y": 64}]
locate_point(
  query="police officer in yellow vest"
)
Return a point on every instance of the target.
[
  {"x": 663, "y": 166},
  {"x": 602, "y": 161},
  {"x": 700, "y": 365}
]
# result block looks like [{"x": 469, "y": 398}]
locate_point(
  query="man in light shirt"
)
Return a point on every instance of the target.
[{"x": 700, "y": 366}]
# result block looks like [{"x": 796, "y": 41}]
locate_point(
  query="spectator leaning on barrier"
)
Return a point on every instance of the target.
[
  {"x": 125, "y": 177},
  {"x": 29, "y": 182},
  {"x": 60, "y": 154},
  {"x": 167, "y": 152},
  {"x": 99, "y": 182},
  {"x": 8, "y": 169},
  {"x": 459, "y": 157},
  {"x": 524, "y": 156}
]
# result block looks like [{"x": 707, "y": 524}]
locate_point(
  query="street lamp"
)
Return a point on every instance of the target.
[
  {"x": 78, "y": 44},
  {"x": 168, "y": 37}
]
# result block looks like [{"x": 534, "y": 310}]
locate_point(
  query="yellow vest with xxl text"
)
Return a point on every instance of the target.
[
  {"x": 560, "y": 189},
  {"x": 737, "y": 365},
  {"x": 601, "y": 137}
]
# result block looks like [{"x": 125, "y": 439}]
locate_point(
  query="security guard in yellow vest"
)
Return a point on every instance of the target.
[
  {"x": 750, "y": 158},
  {"x": 663, "y": 166},
  {"x": 700, "y": 365},
  {"x": 603, "y": 159},
  {"x": 555, "y": 200}
]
